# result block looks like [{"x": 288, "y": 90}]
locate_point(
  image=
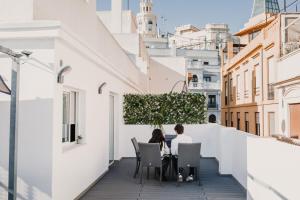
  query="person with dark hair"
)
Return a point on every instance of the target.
[
  {"x": 181, "y": 138},
  {"x": 158, "y": 137}
]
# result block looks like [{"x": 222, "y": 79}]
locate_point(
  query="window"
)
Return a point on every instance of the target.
[
  {"x": 205, "y": 63},
  {"x": 271, "y": 119},
  {"x": 226, "y": 93},
  {"x": 226, "y": 119},
  {"x": 246, "y": 84},
  {"x": 195, "y": 80},
  {"x": 238, "y": 121},
  {"x": 257, "y": 81},
  {"x": 238, "y": 87},
  {"x": 207, "y": 78},
  {"x": 257, "y": 124},
  {"x": 212, "y": 102},
  {"x": 247, "y": 122},
  {"x": 231, "y": 119},
  {"x": 230, "y": 89},
  {"x": 271, "y": 77},
  {"x": 253, "y": 35},
  {"x": 70, "y": 118}
]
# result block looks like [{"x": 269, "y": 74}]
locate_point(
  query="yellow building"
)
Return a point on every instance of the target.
[{"x": 249, "y": 72}]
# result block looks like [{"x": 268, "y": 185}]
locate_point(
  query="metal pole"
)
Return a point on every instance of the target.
[{"x": 13, "y": 138}]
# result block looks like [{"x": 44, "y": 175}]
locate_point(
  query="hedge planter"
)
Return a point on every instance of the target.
[{"x": 162, "y": 109}]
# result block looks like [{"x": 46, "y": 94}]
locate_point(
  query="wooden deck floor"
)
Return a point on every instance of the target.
[{"x": 119, "y": 184}]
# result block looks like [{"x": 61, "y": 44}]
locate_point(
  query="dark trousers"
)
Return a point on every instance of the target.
[
  {"x": 175, "y": 165},
  {"x": 165, "y": 164}
]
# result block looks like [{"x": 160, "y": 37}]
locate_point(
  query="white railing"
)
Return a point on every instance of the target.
[{"x": 205, "y": 86}]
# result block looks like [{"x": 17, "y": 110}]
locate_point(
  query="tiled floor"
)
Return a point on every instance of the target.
[{"x": 119, "y": 184}]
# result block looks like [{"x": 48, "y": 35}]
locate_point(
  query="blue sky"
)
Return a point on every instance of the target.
[{"x": 197, "y": 12}]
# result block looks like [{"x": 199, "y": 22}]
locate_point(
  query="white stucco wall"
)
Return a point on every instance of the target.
[
  {"x": 15, "y": 10},
  {"x": 288, "y": 90},
  {"x": 35, "y": 146},
  {"x": 164, "y": 72},
  {"x": 273, "y": 169}
]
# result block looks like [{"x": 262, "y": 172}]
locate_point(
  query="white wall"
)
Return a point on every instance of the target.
[
  {"x": 89, "y": 71},
  {"x": 35, "y": 120},
  {"x": 288, "y": 66},
  {"x": 273, "y": 169},
  {"x": 15, "y": 10},
  {"x": 164, "y": 72}
]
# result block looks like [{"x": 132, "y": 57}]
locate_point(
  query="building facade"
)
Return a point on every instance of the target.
[
  {"x": 249, "y": 73},
  {"x": 201, "y": 50},
  {"x": 288, "y": 80},
  {"x": 208, "y": 38}
]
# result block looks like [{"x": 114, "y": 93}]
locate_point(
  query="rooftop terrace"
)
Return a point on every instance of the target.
[{"x": 119, "y": 184}]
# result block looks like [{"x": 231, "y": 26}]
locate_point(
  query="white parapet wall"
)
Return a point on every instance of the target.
[
  {"x": 273, "y": 169},
  {"x": 267, "y": 168}
]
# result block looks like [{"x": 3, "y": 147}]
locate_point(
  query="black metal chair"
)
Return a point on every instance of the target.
[
  {"x": 138, "y": 156},
  {"x": 189, "y": 156},
  {"x": 150, "y": 158}
]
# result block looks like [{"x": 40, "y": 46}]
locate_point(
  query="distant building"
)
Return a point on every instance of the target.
[
  {"x": 146, "y": 19},
  {"x": 137, "y": 36},
  {"x": 201, "y": 61},
  {"x": 208, "y": 38}
]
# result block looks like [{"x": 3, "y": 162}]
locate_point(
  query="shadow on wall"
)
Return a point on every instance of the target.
[
  {"x": 162, "y": 78},
  {"x": 34, "y": 149}
]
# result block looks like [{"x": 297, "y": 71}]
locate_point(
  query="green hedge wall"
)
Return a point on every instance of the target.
[{"x": 163, "y": 109}]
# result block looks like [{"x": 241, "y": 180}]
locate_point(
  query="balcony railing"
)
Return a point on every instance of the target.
[
  {"x": 271, "y": 92},
  {"x": 212, "y": 105},
  {"x": 205, "y": 85},
  {"x": 291, "y": 34}
]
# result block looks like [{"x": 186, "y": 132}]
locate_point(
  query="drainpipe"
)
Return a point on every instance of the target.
[{"x": 262, "y": 91}]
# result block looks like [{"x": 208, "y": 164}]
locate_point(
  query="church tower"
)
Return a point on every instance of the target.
[
  {"x": 265, "y": 7},
  {"x": 146, "y": 20}
]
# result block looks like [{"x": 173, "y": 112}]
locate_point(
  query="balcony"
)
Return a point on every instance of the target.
[
  {"x": 290, "y": 35},
  {"x": 212, "y": 106},
  {"x": 204, "y": 86}
]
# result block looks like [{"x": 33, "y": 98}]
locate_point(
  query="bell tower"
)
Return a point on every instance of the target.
[{"x": 146, "y": 20}]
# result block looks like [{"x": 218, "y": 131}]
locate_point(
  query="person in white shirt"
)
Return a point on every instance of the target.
[{"x": 181, "y": 138}]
